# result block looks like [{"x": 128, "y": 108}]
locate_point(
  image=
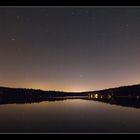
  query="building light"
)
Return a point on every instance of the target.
[
  {"x": 96, "y": 96},
  {"x": 109, "y": 96}
]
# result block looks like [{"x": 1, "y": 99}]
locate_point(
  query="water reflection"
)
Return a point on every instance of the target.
[
  {"x": 110, "y": 98},
  {"x": 29, "y": 100}
]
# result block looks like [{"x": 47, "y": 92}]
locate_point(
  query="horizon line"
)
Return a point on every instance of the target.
[{"x": 69, "y": 91}]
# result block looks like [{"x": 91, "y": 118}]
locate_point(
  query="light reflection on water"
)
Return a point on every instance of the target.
[{"x": 71, "y": 116}]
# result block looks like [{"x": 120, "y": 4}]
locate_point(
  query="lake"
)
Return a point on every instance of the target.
[{"x": 69, "y": 116}]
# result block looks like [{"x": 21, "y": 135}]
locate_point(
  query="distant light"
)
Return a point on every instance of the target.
[
  {"x": 96, "y": 96},
  {"x": 109, "y": 96},
  {"x": 91, "y": 96}
]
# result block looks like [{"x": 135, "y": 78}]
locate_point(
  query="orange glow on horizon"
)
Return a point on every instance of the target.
[{"x": 59, "y": 87}]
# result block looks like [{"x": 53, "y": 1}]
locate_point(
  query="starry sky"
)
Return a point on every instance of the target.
[{"x": 69, "y": 48}]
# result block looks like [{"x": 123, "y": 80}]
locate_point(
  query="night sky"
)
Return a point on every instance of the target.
[{"x": 69, "y": 48}]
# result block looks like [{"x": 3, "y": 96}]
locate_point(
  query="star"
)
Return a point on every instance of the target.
[
  {"x": 13, "y": 39},
  {"x": 127, "y": 25},
  {"x": 46, "y": 14},
  {"x": 73, "y": 13},
  {"x": 86, "y": 11},
  {"x": 18, "y": 49},
  {"x": 80, "y": 75},
  {"x": 18, "y": 17}
]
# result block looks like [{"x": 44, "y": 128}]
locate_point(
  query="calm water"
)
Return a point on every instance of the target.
[{"x": 68, "y": 116}]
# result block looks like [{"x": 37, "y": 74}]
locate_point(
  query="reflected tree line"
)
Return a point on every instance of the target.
[
  {"x": 128, "y": 96},
  {"x": 15, "y": 95}
]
